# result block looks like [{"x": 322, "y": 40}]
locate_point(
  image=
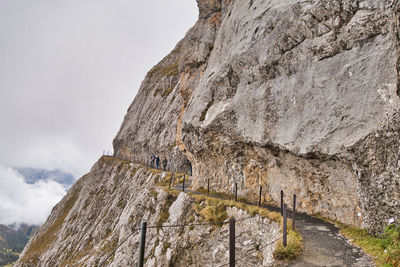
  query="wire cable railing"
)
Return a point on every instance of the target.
[
  {"x": 168, "y": 226},
  {"x": 134, "y": 230},
  {"x": 251, "y": 253}
]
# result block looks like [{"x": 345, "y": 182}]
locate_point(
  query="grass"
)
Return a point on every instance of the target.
[
  {"x": 214, "y": 210},
  {"x": 293, "y": 249},
  {"x": 204, "y": 113},
  {"x": 171, "y": 70},
  {"x": 168, "y": 90},
  {"x": 167, "y": 71},
  {"x": 178, "y": 179},
  {"x": 213, "y": 193},
  {"x": 44, "y": 240},
  {"x": 385, "y": 250},
  {"x": 164, "y": 216},
  {"x": 73, "y": 259},
  {"x": 157, "y": 91},
  {"x": 166, "y": 246}
]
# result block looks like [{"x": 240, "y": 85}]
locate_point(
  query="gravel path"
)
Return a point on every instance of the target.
[{"x": 323, "y": 244}]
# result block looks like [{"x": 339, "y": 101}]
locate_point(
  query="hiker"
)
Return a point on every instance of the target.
[
  {"x": 152, "y": 160},
  {"x": 164, "y": 163},
  {"x": 157, "y": 161}
]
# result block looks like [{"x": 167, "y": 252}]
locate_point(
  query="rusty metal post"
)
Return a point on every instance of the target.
[
  {"x": 183, "y": 184},
  {"x": 294, "y": 213},
  {"x": 284, "y": 225},
  {"x": 281, "y": 202},
  {"x": 259, "y": 198},
  {"x": 231, "y": 242},
  {"x": 235, "y": 191},
  {"x": 142, "y": 244},
  {"x": 208, "y": 187}
]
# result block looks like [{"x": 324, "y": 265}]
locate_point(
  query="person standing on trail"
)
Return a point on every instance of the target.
[
  {"x": 164, "y": 163},
  {"x": 152, "y": 160},
  {"x": 190, "y": 168},
  {"x": 157, "y": 161}
]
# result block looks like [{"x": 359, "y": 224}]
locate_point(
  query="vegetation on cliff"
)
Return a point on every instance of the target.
[
  {"x": 384, "y": 249},
  {"x": 42, "y": 243},
  {"x": 12, "y": 242}
]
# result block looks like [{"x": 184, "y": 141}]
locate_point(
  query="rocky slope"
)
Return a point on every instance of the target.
[
  {"x": 300, "y": 96},
  {"x": 101, "y": 210}
]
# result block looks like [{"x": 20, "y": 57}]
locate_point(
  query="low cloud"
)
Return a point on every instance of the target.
[
  {"x": 70, "y": 69},
  {"x": 26, "y": 203}
]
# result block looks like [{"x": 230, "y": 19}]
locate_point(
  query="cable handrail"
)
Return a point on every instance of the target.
[
  {"x": 169, "y": 226},
  {"x": 189, "y": 225},
  {"x": 112, "y": 253},
  {"x": 250, "y": 253}
]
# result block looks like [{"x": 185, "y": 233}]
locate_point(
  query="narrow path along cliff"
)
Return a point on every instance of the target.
[{"x": 323, "y": 244}]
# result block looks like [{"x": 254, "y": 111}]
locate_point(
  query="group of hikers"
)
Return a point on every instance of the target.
[
  {"x": 156, "y": 160},
  {"x": 155, "y": 163}
]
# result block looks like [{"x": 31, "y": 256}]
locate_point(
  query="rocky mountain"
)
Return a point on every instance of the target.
[
  {"x": 13, "y": 239},
  {"x": 300, "y": 96}
]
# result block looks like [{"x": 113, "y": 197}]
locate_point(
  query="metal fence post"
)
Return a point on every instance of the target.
[
  {"x": 284, "y": 225},
  {"x": 231, "y": 242},
  {"x": 235, "y": 191},
  {"x": 183, "y": 185},
  {"x": 259, "y": 198},
  {"x": 208, "y": 187},
  {"x": 294, "y": 213},
  {"x": 281, "y": 202},
  {"x": 142, "y": 244}
]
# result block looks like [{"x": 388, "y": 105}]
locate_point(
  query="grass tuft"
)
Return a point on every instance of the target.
[
  {"x": 204, "y": 113},
  {"x": 214, "y": 211},
  {"x": 171, "y": 70},
  {"x": 164, "y": 216},
  {"x": 293, "y": 248}
]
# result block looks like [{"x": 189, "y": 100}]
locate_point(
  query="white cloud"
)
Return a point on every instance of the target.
[
  {"x": 68, "y": 72},
  {"x": 70, "y": 69},
  {"x": 29, "y": 203}
]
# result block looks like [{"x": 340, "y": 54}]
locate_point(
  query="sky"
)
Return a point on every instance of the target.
[{"x": 68, "y": 73}]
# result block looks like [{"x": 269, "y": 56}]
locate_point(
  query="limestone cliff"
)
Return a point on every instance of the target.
[{"x": 296, "y": 95}]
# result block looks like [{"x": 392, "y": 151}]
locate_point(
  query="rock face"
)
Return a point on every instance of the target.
[
  {"x": 300, "y": 96},
  {"x": 100, "y": 210}
]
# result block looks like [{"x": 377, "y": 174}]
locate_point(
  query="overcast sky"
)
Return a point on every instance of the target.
[{"x": 70, "y": 69}]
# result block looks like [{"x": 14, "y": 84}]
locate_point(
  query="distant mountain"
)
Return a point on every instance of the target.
[
  {"x": 32, "y": 176},
  {"x": 13, "y": 239}
]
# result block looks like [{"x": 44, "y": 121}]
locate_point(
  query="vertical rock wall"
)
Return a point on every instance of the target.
[{"x": 293, "y": 95}]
